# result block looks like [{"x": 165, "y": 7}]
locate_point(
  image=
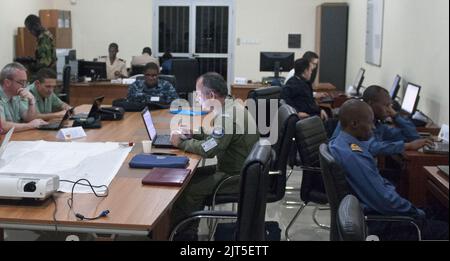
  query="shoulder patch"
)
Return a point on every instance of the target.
[
  {"x": 218, "y": 132},
  {"x": 356, "y": 148}
]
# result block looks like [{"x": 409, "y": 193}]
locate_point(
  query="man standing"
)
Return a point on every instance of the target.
[
  {"x": 231, "y": 139},
  {"x": 45, "y": 55},
  {"x": 17, "y": 104},
  {"x": 48, "y": 105},
  {"x": 151, "y": 89},
  {"x": 115, "y": 67}
]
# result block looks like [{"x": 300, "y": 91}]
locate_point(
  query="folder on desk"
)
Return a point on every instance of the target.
[
  {"x": 166, "y": 177},
  {"x": 149, "y": 161}
]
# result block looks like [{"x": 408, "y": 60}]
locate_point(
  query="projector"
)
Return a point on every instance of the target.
[{"x": 27, "y": 186}]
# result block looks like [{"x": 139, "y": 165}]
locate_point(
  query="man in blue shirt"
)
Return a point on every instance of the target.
[
  {"x": 151, "y": 89},
  {"x": 388, "y": 140},
  {"x": 377, "y": 195}
]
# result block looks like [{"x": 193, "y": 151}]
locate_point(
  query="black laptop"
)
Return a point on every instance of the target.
[
  {"x": 93, "y": 113},
  {"x": 158, "y": 141},
  {"x": 57, "y": 125}
]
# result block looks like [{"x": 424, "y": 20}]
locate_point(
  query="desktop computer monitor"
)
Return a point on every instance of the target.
[
  {"x": 411, "y": 98},
  {"x": 95, "y": 70},
  {"x": 395, "y": 87},
  {"x": 357, "y": 84},
  {"x": 276, "y": 62}
]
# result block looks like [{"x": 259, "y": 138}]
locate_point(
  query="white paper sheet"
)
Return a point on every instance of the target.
[{"x": 97, "y": 162}]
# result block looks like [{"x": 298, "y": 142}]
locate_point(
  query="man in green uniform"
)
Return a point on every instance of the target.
[
  {"x": 48, "y": 105},
  {"x": 230, "y": 137},
  {"x": 45, "y": 55},
  {"x": 17, "y": 104}
]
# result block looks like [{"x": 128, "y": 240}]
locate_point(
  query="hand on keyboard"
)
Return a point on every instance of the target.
[{"x": 417, "y": 144}]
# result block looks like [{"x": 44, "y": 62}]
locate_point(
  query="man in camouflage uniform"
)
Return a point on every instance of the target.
[
  {"x": 230, "y": 137},
  {"x": 45, "y": 55},
  {"x": 48, "y": 105},
  {"x": 151, "y": 89}
]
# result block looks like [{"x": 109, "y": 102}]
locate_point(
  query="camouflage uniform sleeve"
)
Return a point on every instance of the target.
[
  {"x": 170, "y": 93},
  {"x": 135, "y": 93},
  {"x": 45, "y": 52}
]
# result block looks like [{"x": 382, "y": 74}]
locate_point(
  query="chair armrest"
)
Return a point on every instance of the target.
[
  {"x": 410, "y": 220},
  {"x": 313, "y": 169},
  {"x": 203, "y": 214},
  {"x": 219, "y": 186}
]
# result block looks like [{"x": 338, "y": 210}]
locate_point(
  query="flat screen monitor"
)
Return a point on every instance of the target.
[
  {"x": 411, "y": 98},
  {"x": 357, "y": 84},
  {"x": 95, "y": 70},
  {"x": 395, "y": 87},
  {"x": 276, "y": 62}
]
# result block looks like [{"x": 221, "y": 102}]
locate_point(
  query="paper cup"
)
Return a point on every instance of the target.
[{"x": 147, "y": 146}]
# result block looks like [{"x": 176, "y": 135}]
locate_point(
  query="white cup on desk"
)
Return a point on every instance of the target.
[{"x": 147, "y": 146}]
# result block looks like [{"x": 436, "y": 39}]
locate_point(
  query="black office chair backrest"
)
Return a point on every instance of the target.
[
  {"x": 287, "y": 118},
  {"x": 336, "y": 186},
  {"x": 267, "y": 94},
  {"x": 170, "y": 78},
  {"x": 65, "y": 92},
  {"x": 186, "y": 73},
  {"x": 309, "y": 135},
  {"x": 351, "y": 222},
  {"x": 137, "y": 69},
  {"x": 253, "y": 192}
]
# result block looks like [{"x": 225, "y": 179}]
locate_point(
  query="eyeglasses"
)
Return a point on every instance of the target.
[{"x": 22, "y": 83}]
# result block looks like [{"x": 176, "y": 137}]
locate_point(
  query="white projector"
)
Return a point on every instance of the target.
[{"x": 31, "y": 186}]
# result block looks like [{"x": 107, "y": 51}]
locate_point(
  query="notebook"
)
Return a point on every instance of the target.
[
  {"x": 148, "y": 161},
  {"x": 166, "y": 177},
  {"x": 159, "y": 141}
]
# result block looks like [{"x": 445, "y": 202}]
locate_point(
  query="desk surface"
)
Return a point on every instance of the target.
[
  {"x": 133, "y": 206},
  {"x": 437, "y": 185}
]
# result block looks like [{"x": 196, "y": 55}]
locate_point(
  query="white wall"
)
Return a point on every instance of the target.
[
  {"x": 12, "y": 15},
  {"x": 415, "y": 45},
  {"x": 97, "y": 23}
]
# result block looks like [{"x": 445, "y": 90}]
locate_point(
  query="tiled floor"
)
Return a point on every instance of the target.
[{"x": 304, "y": 229}]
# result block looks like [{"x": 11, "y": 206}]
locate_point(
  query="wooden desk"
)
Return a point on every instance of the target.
[
  {"x": 437, "y": 185},
  {"x": 413, "y": 180},
  {"x": 85, "y": 93},
  {"x": 135, "y": 209},
  {"x": 240, "y": 91}
]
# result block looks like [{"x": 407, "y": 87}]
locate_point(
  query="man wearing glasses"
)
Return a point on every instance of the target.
[
  {"x": 17, "y": 104},
  {"x": 151, "y": 89}
]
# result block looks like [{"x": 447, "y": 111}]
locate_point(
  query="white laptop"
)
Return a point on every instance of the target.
[{"x": 5, "y": 141}]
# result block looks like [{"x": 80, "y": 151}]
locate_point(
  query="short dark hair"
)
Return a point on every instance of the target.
[
  {"x": 300, "y": 66},
  {"x": 147, "y": 50},
  {"x": 45, "y": 73},
  {"x": 215, "y": 83},
  {"x": 310, "y": 55},
  {"x": 151, "y": 66},
  {"x": 167, "y": 55},
  {"x": 351, "y": 110},
  {"x": 32, "y": 20},
  {"x": 372, "y": 93},
  {"x": 114, "y": 45}
]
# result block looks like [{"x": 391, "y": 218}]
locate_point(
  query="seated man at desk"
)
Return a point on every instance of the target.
[
  {"x": 151, "y": 89},
  {"x": 145, "y": 58},
  {"x": 298, "y": 92},
  {"x": 388, "y": 140},
  {"x": 377, "y": 195},
  {"x": 17, "y": 104},
  {"x": 230, "y": 139},
  {"x": 115, "y": 67},
  {"x": 48, "y": 105}
]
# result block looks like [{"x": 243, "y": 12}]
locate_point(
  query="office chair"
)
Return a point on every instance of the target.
[
  {"x": 309, "y": 134},
  {"x": 137, "y": 69},
  {"x": 350, "y": 220},
  {"x": 337, "y": 188},
  {"x": 250, "y": 216},
  {"x": 64, "y": 95},
  {"x": 186, "y": 73},
  {"x": 263, "y": 97},
  {"x": 170, "y": 78}
]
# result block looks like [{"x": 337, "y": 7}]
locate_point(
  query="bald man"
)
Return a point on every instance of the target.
[{"x": 377, "y": 195}]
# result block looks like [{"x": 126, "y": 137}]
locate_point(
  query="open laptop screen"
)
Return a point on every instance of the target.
[
  {"x": 147, "y": 117},
  {"x": 410, "y": 99}
]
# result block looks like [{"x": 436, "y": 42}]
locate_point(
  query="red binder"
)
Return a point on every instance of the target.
[{"x": 166, "y": 177}]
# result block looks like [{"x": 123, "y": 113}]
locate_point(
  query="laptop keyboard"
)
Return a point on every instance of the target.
[
  {"x": 163, "y": 139},
  {"x": 439, "y": 146}
]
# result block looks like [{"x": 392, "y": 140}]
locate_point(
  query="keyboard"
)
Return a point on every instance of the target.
[
  {"x": 162, "y": 141},
  {"x": 326, "y": 100},
  {"x": 437, "y": 148}
]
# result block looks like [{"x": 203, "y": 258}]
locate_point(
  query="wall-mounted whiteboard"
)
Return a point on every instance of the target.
[{"x": 374, "y": 32}]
